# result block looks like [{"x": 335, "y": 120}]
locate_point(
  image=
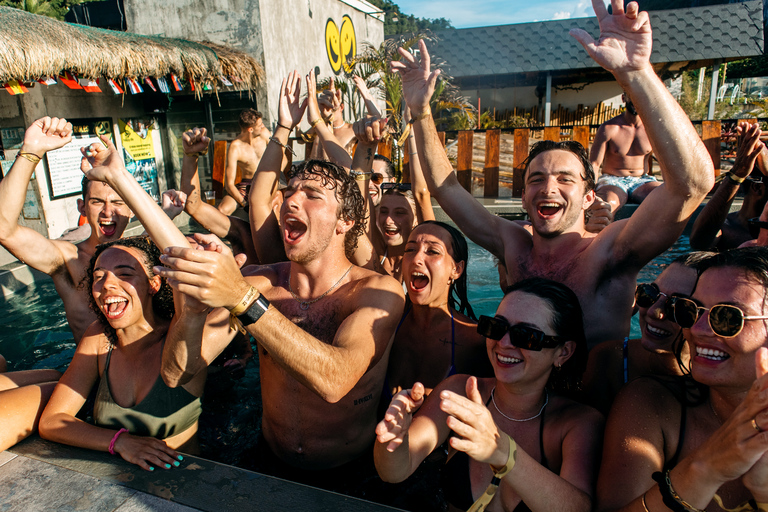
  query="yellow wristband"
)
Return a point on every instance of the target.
[
  {"x": 29, "y": 156},
  {"x": 421, "y": 116},
  {"x": 248, "y": 299},
  {"x": 511, "y": 459},
  {"x": 735, "y": 178},
  {"x": 315, "y": 122}
]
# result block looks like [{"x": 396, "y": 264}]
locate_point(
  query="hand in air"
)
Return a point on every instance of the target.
[
  {"x": 173, "y": 202},
  {"x": 195, "y": 140},
  {"x": 46, "y": 134},
  {"x": 329, "y": 100},
  {"x": 211, "y": 276},
  {"x": 100, "y": 163},
  {"x": 290, "y": 109},
  {"x": 418, "y": 81},
  {"x": 479, "y": 437},
  {"x": 397, "y": 419},
  {"x": 313, "y": 108},
  {"x": 748, "y": 150},
  {"x": 598, "y": 216},
  {"x": 625, "y": 37},
  {"x": 146, "y": 452},
  {"x": 756, "y": 479}
]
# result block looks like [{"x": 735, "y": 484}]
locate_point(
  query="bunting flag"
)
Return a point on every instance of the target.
[
  {"x": 89, "y": 85},
  {"x": 47, "y": 81},
  {"x": 206, "y": 86},
  {"x": 163, "y": 85},
  {"x": 176, "y": 83},
  {"x": 133, "y": 86},
  {"x": 70, "y": 80},
  {"x": 225, "y": 81},
  {"x": 15, "y": 87},
  {"x": 192, "y": 85},
  {"x": 148, "y": 81},
  {"x": 115, "y": 86}
]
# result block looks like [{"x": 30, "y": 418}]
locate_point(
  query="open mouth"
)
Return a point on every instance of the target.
[
  {"x": 711, "y": 354},
  {"x": 391, "y": 231},
  {"x": 548, "y": 209},
  {"x": 293, "y": 230},
  {"x": 108, "y": 227},
  {"x": 506, "y": 360},
  {"x": 419, "y": 281},
  {"x": 656, "y": 332},
  {"x": 114, "y": 307}
]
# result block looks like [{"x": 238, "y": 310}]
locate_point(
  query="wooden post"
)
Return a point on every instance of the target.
[
  {"x": 710, "y": 134},
  {"x": 521, "y": 153},
  {"x": 552, "y": 133},
  {"x": 491, "y": 169},
  {"x": 581, "y": 135},
  {"x": 441, "y": 136},
  {"x": 385, "y": 149},
  {"x": 219, "y": 166},
  {"x": 406, "y": 177},
  {"x": 464, "y": 159}
]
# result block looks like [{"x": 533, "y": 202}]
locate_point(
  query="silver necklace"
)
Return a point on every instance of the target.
[
  {"x": 546, "y": 401},
  {"x": 304, "y": 304}
]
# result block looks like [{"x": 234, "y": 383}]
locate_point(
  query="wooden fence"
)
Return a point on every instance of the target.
[{"x": 561, "y": 116}]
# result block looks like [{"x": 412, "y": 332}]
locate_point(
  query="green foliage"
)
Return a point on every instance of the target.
[
  {"x": 406, "y": 23},
  {"x": 52, "y": 8}
]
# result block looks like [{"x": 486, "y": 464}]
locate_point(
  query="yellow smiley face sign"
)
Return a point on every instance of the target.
[{"x": 341, "y": 45}]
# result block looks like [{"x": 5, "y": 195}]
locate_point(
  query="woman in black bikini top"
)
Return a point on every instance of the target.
[{"x": 516, "y": 431}]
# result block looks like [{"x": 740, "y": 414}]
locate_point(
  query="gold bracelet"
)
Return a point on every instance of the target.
[
  {"x": 645, "y": 505},
  {"x": 734, "y": 178},
  {"x": 29, "y": 156},
  {"x": 248, "y": 299},
  {"x": 315, "y": 122},
  {"x": 362, "y": 176},
  {"x": 421, "y": 116},
  {"x": 197, "y": 154}
]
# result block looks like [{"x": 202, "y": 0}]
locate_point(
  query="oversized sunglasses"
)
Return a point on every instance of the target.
[
  {"x": 725, "y": 320},
  {"x": 519, "y": 335},
  {"x": 377, "y": 177},
  {"x": 646, "y": 295}
]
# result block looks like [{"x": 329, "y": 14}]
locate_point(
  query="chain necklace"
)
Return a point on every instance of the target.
[
  {"x": 304, "y": 304},
  {"x": 712, "y": 408},
  {"x": 546, "y": 401}
]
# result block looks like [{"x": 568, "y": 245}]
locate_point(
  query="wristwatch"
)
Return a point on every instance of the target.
[
  {"x": 757, "y": 223},
  {"x": 253, "y": 313}
]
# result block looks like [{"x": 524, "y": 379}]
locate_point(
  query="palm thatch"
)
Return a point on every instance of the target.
[{"x": 33, "y": 46}]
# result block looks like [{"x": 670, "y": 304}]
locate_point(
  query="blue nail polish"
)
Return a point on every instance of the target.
[
  {"x": 180, "y": 457},
  {"x": 167, "y": 466},
  {"x": 151, "y": 468},
  {"x": 176, "y": 463}
]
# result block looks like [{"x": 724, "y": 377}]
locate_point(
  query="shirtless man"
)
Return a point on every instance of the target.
[
  {"x": 623, "y": 149},
  {"x": 332, "y": 110},
  {"x": 105, "y": 211},
  {"x": 244, "y": 154},
  {"x": 602, "y": 269},
  {"x": 323, "y": 342}
]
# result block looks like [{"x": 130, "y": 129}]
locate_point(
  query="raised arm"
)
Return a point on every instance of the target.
[
  {"x": 421, "y": 193},
  {"x": 597, "y": 153},
  {"x": 26, "y": 244},
  {"x": 624, "y": 49},
  {"x": 706, "y": 230},
  {"x": 478, "y": 223},
  {"x": 335, "y": 151}
]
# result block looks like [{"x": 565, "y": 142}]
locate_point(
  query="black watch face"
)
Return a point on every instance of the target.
[{"x": 755, "y": 224}]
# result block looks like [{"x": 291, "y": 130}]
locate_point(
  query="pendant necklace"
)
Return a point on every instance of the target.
[
  {"x": 546, "y": 401},
  {"x": 304, "y": 304}
]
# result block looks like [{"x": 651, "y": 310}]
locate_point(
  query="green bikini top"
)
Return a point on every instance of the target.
[{"x": 164, "y": 412}]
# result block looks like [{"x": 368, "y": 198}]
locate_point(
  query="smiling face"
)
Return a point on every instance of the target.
[
  {"x": 727, "y": 362},
  {"x": 122, "y": 287},
  {"x": 658, "y": 330},
  {"x": 396, "y": 219},
  {"x": 428, "y": 265},
  {"x": 554, "y": 193},
  {"x": 374, "y": 189},
  {"x": 106, "y": 212}
]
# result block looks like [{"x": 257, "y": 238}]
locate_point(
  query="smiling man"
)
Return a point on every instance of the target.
[
  {"x": 559, "y": 184},
  {"x": 65, "y": 262}
]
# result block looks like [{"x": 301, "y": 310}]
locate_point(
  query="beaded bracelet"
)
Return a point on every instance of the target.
[
  {"x": 114, "y": 440},
  {"x": 289, "y": 148}
]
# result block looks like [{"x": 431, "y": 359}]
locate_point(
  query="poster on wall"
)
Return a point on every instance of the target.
[
  {"x": 63, "y": 164},
  {"x": 139, "y": 153},
  {"x": 10, "y": 144}
]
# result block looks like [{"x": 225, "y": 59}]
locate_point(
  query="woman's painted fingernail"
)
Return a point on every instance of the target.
[
  {"x": 176, "y": 463},
  {"x": 180, "y": 457},
  {"x": 151, "y": 468},
  {"x": 167, "y": 466}
]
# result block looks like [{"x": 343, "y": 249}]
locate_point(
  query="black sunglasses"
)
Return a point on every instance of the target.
[
  {"x": 396, "y": 186},
  {"x": 377, "y": 177},
  {"x": 519, "y": 335},
  {"x": 725, "y": 320},
  {"x": 646, "y": 295}
]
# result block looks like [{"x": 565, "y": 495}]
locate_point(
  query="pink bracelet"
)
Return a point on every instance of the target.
[{"x": 114, "y": 440}]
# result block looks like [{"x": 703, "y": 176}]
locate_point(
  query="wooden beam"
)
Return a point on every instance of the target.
[
  {"x": 581, "y": 135},
  {"x": 491, "y": 169},
  {"x": 518, "y": 158},
  {"x": 219, "y": 166},
  {"x": 710, "y": 134},
  {"x": 464, "y": 159},
  {"x": 552, "y": 133}
]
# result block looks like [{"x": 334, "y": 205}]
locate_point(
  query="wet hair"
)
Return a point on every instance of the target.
[
  {"x": 84, "y": 184},
  {"x": 568, "y": 322},
  {"x": 336, "y": 178},
  {"x": 248, "y": 118},
  {"x": 572, "y": 147},
  {"x": 408, "y": 194},
  {"x": 753, "y": 261},
  {"x": 162, "y": 301},
  {"x": 387, "y": 163},
  {"x": 457, "y": 292}
]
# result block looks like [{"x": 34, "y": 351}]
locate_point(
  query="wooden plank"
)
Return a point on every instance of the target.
[
  {"x": 464, "y": 159},
  {"x": 491, "y": 169},
  {"x": 552, "y": 133},
  {"x": 520, "y": 155},
  {"x": 385, "y": 149},
  {"x": 581, "y": 135},
  {"x": 441, "y": 136},
  {"x": 219, "y": 166},
  {"x": 710, "y": 134}
]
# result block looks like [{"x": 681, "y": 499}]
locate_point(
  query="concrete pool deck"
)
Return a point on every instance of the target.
[{"x": 39, "y": 475}]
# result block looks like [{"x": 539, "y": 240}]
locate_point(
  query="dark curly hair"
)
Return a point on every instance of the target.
[
  {"x": 568, "y": 322},
  {"x": 336, "y": 178},
  {"x": 162, "y": 301},
  {"x": 457, "y": 294},
  {"x": 572, "y": 147}
]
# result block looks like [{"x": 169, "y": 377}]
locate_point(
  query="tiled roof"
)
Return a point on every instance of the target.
[{"x": 727, "y": 31}]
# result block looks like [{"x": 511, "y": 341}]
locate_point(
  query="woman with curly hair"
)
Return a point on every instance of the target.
[{"x": 135, "y": 413}]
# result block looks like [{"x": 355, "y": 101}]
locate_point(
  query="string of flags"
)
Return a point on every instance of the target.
[{"x": 117, "y": 86}]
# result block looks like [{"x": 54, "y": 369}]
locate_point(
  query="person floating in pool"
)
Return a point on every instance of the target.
[
  {"x": 559, "y": 183},
  {"x": 106, "y": 213},
  {"x": 323, "y": 325}
]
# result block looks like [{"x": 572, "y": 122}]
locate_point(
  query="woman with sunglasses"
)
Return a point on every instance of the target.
[
  {"x": 515, "y": 440},
  {"x": 698, "y": 442},
  {"x": 614, "y": 363}
]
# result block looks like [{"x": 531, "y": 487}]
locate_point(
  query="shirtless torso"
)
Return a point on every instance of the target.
[{"x": 243, "y": 156}]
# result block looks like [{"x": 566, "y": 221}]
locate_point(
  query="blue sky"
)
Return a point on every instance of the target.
[{"x": 478, "y": 13}]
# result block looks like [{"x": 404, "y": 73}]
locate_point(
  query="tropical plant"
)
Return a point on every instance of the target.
[{"x": 51, "y": 8}]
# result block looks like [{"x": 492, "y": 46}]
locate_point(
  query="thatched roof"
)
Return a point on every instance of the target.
[{"x": 33, "y": 46}]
